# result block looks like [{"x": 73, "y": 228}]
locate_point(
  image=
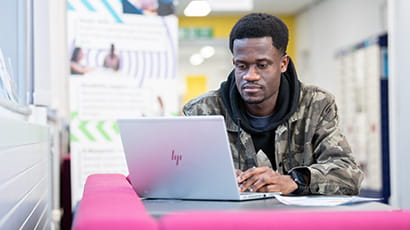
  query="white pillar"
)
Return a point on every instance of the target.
[
  {"x": 399, "y": 99},
  {"x": 51, "y": 62}
]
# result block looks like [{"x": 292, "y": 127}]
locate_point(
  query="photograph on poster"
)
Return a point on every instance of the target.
[
  {"x": 149, "y": 7},
  {"x": 112, "y": 60},
  {"x": 77, "y": 65}
]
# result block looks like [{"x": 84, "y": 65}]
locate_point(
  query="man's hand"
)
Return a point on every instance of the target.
[
  {"x": 265, "y": 179},
  {"x": 238, "y": 172}
]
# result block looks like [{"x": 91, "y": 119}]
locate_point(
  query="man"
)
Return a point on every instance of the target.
[
  {"x": 284, "y": 135},
  {"x": 112, "y": 60}
]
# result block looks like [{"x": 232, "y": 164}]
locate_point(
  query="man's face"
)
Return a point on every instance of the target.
[{"x": 258, "y": 67}]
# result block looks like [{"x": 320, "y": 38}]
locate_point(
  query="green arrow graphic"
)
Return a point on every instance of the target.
[
  {"x": 72, "y": 137},
  {"x": 85, "y": 131},
  {"x": 103, "y": 133},
  {"x": 73, "y": 115},
  {"x": 115, "y": 127}
]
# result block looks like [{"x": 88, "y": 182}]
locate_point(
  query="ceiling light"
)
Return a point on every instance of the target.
[
  {"x": 197, "y": 9},
  {"x": 231, "y": 5},
  {"x": 207, "y": 51},
  {"x": 196, "y": 59}
]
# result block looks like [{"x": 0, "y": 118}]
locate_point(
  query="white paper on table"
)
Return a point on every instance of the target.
[{"x": 322, "y": 200}]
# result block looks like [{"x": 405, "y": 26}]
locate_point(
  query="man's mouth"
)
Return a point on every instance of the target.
[{"x": 251, "y": 88}]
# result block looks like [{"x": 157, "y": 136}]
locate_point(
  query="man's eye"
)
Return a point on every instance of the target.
[
  {"x": 262, "y": 66},
  {"x": 240, "y": 66}
]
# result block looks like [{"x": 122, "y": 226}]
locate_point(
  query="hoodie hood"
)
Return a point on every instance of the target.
[{"x": 286, "y": 105}]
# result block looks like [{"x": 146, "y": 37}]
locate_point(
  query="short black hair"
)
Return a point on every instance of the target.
[{"x": 257, "y": 25}]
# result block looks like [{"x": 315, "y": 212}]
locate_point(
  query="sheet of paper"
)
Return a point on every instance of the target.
[
  {"x": 3, "y": 90},
  {"x": 322, "y": 200},
  {"x": 7, "y": 90}
]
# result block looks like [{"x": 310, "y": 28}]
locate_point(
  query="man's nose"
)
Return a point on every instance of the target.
[{"x": 252, "y": 74}]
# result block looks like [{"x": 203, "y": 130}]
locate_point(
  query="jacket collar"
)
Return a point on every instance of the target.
[{"x": 297, "y": 115}]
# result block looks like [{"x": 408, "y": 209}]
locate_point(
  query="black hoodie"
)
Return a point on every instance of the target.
[{"x": 286, "y": 105}]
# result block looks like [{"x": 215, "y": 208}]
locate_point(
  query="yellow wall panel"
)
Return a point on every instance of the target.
[{"x": 195, "y": 86}]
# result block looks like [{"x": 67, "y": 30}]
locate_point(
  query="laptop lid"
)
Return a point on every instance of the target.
[{"x": 180, "y": 158}]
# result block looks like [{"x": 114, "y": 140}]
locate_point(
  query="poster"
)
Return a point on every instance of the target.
[
  {"x": 359, "y": 72},
  {"x": 123, "y": 58}
]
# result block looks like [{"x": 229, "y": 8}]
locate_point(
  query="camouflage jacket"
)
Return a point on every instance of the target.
[{"x": 316, "y": 141}]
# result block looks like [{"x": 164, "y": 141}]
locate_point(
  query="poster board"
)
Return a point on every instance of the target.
[
  {"x": 359, "y": 72},
  {"x": 126, "y": 68}
]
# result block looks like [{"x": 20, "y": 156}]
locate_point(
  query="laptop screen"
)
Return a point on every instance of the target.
[{"x": 179, "y": 157}]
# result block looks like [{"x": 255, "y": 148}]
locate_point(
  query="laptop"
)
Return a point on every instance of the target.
[{"x": 181, "y": 158}]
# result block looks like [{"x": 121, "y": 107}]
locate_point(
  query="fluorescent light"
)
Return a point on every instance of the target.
[
  {"x": 231, "y": 5},
  {"x": 196, "y": 59},
  {"x": 207, "y": 51},
  {"x": 197, "y": 9}
]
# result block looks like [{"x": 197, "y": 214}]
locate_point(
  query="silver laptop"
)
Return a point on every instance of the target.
[{"x": 181, "y": 158}]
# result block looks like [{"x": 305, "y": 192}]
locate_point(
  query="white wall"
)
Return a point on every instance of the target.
[
  {"x": 399, "y": 111},
  {"x": 330, "y": 26},
  {"x": 30, "y": 155},
  {"x": 24, "y": 171}
]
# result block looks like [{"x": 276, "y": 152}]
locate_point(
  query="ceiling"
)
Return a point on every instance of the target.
[{"x": 278, "y": 7}]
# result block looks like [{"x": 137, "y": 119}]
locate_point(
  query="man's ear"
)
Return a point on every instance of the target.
[{"x": 284, "y": 63}]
